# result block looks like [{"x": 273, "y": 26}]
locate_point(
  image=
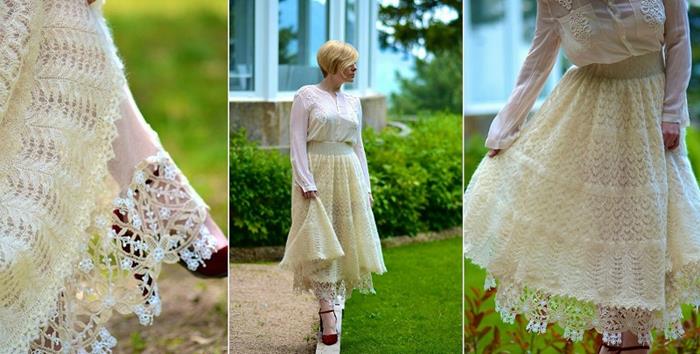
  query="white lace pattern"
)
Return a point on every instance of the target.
[{"x": 158, "y": 219}]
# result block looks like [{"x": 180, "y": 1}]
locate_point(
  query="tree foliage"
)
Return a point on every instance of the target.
[
  {"x": 414, "y": 24},
  {"x": 437, "y": 86},
  {"x": 417, "y": 24}
]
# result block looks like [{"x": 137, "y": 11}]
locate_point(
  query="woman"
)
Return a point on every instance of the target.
[
  {"x": 586, "y": 215},
  {"x": 91, "y": 203},
  {"x": 333, "y": 245}
]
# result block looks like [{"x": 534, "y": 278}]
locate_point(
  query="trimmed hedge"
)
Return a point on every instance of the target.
[
  {"x": 260, "y": 187},
  {"x": 416, "y": 183}
]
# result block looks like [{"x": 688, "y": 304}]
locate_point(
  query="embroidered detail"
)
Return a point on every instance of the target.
[
  {"x": 566, "y": 4},
  {"x": 580, "y": 26},
  {"x": 653, "y": 12}
]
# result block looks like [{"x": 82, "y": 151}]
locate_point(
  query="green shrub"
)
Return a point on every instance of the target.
[
  {"x": 474, "y": 152},
  {"x": 398, "y": 184},
  {"x": 692, "y": 141},
  {"x": 415, "y": 183},
  {"x": 260, "y": 194},
  {"x": 416, "y": 179}
]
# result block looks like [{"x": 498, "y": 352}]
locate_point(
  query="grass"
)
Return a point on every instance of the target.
[
  {"x": 417, "y": 306},
  {"x": 175, "y": 54}
]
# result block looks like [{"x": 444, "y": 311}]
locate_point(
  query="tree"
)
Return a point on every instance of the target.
[
  {"x": 411, "y": 25},
  {"x": 436, "y": 87},
  {"x": 414, "y": 24}
]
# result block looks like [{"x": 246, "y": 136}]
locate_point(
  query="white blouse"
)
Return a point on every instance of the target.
[
  {"x": 321, "y": 116},
  {"x": 600, "y": 31}
]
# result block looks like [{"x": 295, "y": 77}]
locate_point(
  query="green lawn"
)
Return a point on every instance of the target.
[
  {"x": 417, "y": 306},
  {"x": 175, "y": 54}
]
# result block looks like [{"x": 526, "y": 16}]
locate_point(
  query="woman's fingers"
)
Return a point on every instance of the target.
[
  {"x": 310, "y": 194},
  {"x": 671, "y": 134},
  {"x": 493, "y": 152}
]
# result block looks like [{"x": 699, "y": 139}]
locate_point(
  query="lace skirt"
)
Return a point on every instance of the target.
[
  {"x": 333, "y": 245},
  {"x": 587, "y": 220}
]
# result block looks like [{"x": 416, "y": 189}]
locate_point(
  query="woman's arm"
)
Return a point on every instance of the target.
[
  {"x": 360, "y": 147},
  {"x": 678, "y": 62},
  {"x": 298, "y": 126},
  {"x": 137, "y": 142},
  {"x": 533, "y": 74}
]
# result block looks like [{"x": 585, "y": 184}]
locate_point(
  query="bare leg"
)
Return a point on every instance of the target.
[{"x": 328, "y": 318}]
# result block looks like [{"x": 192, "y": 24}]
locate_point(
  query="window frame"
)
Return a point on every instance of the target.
[{"x": 266, "y": 71}]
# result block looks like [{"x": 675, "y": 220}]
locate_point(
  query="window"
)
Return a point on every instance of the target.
[
  {"x": 242, "y": 45},
  {"x": 498, "y": 35},
  {"x": 351, "y": 33},
  {"x": 489, "y": 52},
  {"x": 303, "y": 28}
]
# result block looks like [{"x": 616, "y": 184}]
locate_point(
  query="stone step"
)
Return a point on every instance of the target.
[{"x": 335, "y": 348}]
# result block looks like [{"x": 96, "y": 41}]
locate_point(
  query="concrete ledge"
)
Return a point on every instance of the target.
[
  {"x": 267, "y": 122},
  {"x": 335, "y": 348}
]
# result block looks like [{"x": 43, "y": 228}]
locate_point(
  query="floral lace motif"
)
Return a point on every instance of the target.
[
  {"x": 577, "y": 316},
  {"x": 157, "y": 219},
  {"x": 332, "y": 290},
  {"x": 565, "y": 3},
  {"x": 580, "y": 26},
  {"x": 653, "y": 12}
]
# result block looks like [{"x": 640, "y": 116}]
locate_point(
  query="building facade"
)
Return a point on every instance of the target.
[
  {"x": 273, "y": 48},
  {"x": 497, "y": 38}
]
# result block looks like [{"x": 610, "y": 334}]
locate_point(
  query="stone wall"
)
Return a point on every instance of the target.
[{"x": 267, "y": 122}]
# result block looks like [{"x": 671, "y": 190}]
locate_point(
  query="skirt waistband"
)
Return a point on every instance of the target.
[
  {"x": 328, "y": 148},
  {"x": 633, "y": 67}
]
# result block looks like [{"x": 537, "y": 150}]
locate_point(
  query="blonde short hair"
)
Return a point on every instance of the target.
[{"x": 334, "y": 56}]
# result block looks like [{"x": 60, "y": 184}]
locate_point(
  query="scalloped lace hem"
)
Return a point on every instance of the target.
[
  {"x": 575, "y": 316},
  {"x": 158, "y": 219},
  {"x": 331, "y": 290}
]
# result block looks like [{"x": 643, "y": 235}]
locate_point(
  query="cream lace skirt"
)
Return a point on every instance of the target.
[
  {"x": 333, "y": 245},
  {"x": 586, "y": 220}
]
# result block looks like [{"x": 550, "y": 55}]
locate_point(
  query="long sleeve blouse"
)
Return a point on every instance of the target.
[
  {"x": 319, "y": 115},
  {"x": 599, "y": 31}
]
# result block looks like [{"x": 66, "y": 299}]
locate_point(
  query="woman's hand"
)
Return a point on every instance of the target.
[
  {"x": 493, "y": 152},
  {"x": 89, "y": 2},
  {"x": 309, "y": 194},
  {"x": 671, "y": 132}
]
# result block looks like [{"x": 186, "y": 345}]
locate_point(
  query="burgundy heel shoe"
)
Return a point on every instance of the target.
[
  {"x": 328, "y": 339},
  {"x": 214, "y": 267}
]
